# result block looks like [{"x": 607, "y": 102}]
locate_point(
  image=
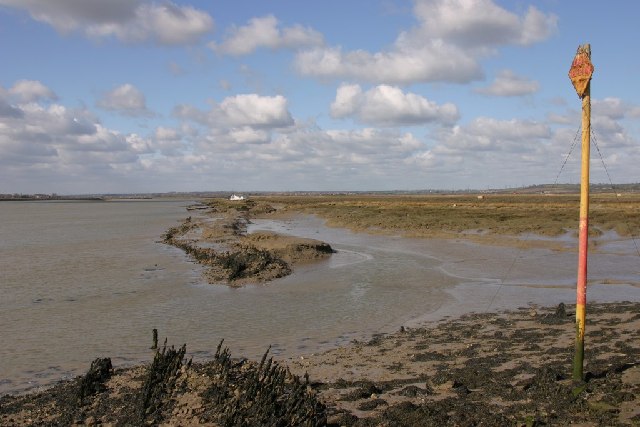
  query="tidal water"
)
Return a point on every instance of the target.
[{"x": 80, "y": 280}]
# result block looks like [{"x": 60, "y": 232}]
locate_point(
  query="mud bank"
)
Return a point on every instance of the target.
[
  {"x": 217, "y": 238},
  {"x": 510, "y": 368},
  {"x": 487, "y": 369}
]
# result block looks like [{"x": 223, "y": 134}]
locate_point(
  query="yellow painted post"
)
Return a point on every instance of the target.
[{"x": 580, "y": 74}]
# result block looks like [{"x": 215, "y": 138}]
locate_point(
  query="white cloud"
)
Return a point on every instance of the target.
[
  {"x": 249, "y": 135},
  {"x": 31, "y": 90},
  {"x": 166, "y": 134},
  {"x": 613, "y": 122},
  {"x": 608, "y": 117},
  {"x": 239, "y": 120},
  {"x": 433, "y": 61},
  {"x": 614, "y": 108},
  {"x": 264, "y": 32},
  {"x": 244, "y": 110},
  {"x": 138, "y": 144},
  {"x": 348, "y": 97},
  {"x": 507, "y": 83},
  {"x": 168, "y": 142},
  {"x": 251, "y": 142},
  {"x": 484, "y": 153},
  {"x": 634, "y": 111},
  {"x": 537, "y": 26},
  {"x": 125, "y": 99},
  {"x": 452, "y": 36},
  {"x": 617, "y": 147},
  {"x": 9, "y": 111},
  {"x": 255, "y": 110},
  {"x": 49, "y": 145},
  {"x": 490, "y": 153},
  {"x": 297, "y": 156},
  {"x": 489, "y": 134},
  {"x": 309, "y": 157},
  {"x": 369, "y": 144},
  {"x": 481, "y": 23},
  {"x": 561, "y": 119},
  {"x": 60, "y": 139},
  {"x": 69, "y": 15},
  {"x": 132, "y": 21},
  {"x": 189, "y": 112},
  {"x": 103, "y": 140},
  {"x": 389, "y": 106},
  {"x": 6, "y": 109},
  {"x": 55, "y": 121}
]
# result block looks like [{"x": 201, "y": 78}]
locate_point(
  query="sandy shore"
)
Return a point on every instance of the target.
[{"x": 511, "y": 368}]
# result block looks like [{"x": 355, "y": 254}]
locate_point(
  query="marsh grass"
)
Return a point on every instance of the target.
[{"x": 494, "y": 214}]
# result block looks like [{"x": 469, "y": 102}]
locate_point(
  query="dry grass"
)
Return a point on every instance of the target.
[{"x": 443, "y": 215}]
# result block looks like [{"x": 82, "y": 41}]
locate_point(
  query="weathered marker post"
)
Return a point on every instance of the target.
[{"x": 580, "y": 75}]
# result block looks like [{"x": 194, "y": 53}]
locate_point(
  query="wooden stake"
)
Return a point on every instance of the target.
[
  {"x": 580, "y": 74},
  {"x": 155, "y": 339}
]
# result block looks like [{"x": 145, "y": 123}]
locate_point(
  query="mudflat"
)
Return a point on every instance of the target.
[
  {"x": 504, "y": 368},
  {"x": 511, "y": 368},
  {"x": 217, "y": 238}
]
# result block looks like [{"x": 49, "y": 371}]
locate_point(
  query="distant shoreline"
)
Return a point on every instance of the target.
[{"x": 58, "y": 199}]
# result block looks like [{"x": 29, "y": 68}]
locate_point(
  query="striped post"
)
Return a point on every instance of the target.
[{"x": 580, "y": 74}]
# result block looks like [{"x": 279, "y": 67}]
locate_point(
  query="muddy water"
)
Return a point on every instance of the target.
[
  {"x": 455, "y": 277},
  {"x": 86, "y": 280}
]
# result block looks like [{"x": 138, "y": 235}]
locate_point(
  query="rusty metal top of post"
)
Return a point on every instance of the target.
[{"x": 581, "y": 69}]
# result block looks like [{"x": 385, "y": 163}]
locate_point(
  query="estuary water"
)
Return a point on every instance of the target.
[{"x": 80, "y": 280}]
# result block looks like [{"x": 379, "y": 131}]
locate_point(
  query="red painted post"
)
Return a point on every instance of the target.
[{"x": 580, "y": 74}]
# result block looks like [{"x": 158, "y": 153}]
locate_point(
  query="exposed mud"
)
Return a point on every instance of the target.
[
  {"x": 481, "y": 369},
  {"x": 218, "y": 239},
  {"x": 487, "y": 369}
]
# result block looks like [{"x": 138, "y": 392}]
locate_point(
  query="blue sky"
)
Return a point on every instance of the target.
[{"x": 153, "y": 96}]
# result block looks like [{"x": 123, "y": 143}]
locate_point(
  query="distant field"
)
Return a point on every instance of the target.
[{"x": 491, "y": 215}]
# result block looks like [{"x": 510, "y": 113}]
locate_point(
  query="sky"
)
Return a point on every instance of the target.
[{"x": 138, "y": 96}]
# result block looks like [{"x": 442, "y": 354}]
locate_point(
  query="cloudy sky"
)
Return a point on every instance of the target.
[{"x": 191, "y": 95}]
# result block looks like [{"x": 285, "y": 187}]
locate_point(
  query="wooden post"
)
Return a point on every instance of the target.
[
  {"x": 155, "y": 339},
  {"x": 580, "y": 74}
]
